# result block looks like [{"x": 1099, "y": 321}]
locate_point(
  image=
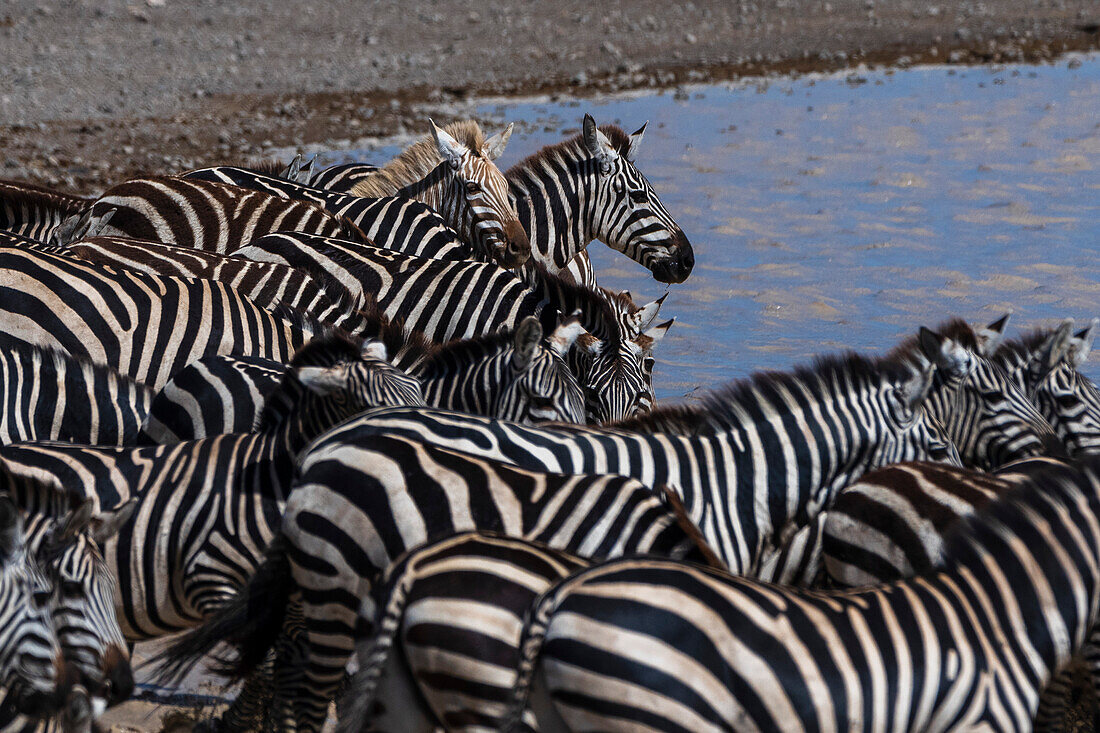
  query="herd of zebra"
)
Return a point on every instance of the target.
[{"x": 376, "y": 437}]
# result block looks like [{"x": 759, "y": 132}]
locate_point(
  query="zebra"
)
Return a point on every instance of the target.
[
  {"x": 989, "y": 420},
  {"x": 453, "y": 172},
  {"x": 29, "y": 652},
  {"x": 389, "y": 222},
  {"x": 398, "y": 507},
  {"x": 35, "y": 212},
  {"x": 427, "y": 614},
  {"x": 342, "y": 178},
  {"x": 46, "y": 394},
  {"x": 1045, "y": 365},
  {"x": 266, "y": 284},
  {"x": 204, "y": 215},
  {"x": 751, "y": 463},
  {"x": 511, "y": 375},
  {"x": 898, "y": 521},
  {"x": 965, "y": 647},
  {"x": 146, "y": 327},
  {"x": 587, "y": 188},
  {"x": 448, "y": 300}
]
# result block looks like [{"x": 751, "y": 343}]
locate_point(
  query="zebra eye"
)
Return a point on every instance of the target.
[
  {"x": 472, "y": 187},
  {"x": 41, "y": 598},
  {"x": 72, "y": 589}
]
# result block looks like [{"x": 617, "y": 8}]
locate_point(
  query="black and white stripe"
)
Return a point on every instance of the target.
[
  {"x": 342, "y": 178},
  {"x": 588, "y": 188},
  {"x": 1045, "y": 364},
  {"x": 389, "y": 222},
  {"x": 967, "y": 647},
  {"x": 351, "y": 513},
  {"x": 449, "y": 300},
  {"x": 147, "y": 327},
  {"x": 752, "y": 463},
  {"x": 213, "y": 217},
  {"x": 46, "y": 394},
  {"x": 988, "y": 418},
  {"x": 511, "y": 375},
  {"x": 36, "y": 212},
  {"x": 266, "y": 284}
]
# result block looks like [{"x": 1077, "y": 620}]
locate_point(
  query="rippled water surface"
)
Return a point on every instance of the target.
[{"x": 844, "y": 211}]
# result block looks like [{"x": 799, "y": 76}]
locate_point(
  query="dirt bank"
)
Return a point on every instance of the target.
[{"x": 96, "y": 91}]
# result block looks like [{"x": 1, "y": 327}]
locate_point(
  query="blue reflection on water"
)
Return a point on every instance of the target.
[{"x": 844, "y": 211}]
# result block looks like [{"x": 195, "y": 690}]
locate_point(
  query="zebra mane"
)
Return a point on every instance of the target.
[
  {"x": 406, "y": 347},
  {"x": 461, "y": 353},
  {"x": 570, "y": 149},
  {"x": 18, "y": 195},
  {"x": 1020, "y": 349},
  {"x": 418, "y": 160},
  {"x": 263, "y": 166},
  {"x": 304, "y": 322},
  {"x": 711, "y": 412}
]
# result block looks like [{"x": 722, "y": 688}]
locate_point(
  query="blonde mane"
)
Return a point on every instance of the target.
[{"x": 418, "y": 160}]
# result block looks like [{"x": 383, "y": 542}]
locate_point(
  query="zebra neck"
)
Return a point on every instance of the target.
[
  {"x": 431, "y": 190},
  {"x": 467, "y": 387},
  {"x": 555, "y": 202}
]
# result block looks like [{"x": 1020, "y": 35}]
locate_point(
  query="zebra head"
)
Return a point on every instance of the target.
[
  {"x": 351, "y": 386},
  {"x": 617, "y": 371},
  {"x": 987, "y": 416},
  {"x": 84, "y": 605},
  {"x": 1046, "y": 365},
  {"x": 478, "y": 192},
  {"x": 540, "y": 385},
  {"x": 628, "y": 215},
  {"x": 30, "y": 657}
]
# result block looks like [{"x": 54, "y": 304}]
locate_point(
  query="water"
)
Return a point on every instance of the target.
[{"x": 845, "y": 211}]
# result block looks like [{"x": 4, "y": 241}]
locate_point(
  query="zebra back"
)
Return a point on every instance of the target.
[
  {"x": 205, "y": 215},
  {"x": 266, "y": 284},
  {"x": 211, "y": 396},
  {"x": 35, "y": 212},
  {"x": 389, "y": 222},
  {"x": 759, "y": 661},
  {"x": 342, "y": 178},
  {"x": 147, "y": 327},
  {"x": 45, "y": 394}
]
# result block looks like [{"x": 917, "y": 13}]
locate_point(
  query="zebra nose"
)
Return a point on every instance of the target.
[
  {"x": 517, "y": 244},
  {"x": 119, "y": 675}
]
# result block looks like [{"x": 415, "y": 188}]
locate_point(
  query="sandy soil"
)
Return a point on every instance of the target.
[{"x": 94, "y": 91}]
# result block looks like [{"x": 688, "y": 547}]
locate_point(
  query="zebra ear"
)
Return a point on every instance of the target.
[
  {"x": 374, "y": 350},
  {"x": 495, "y": 145},
  {"x": 913, "y": 391},
  {"x": 11, "y": 529},
  {"x": 635, "y": 143},
  {"x": 291, "y": 172},
  {"x": 599, "y": 147},
  {"x": 450, "y": 150},
  {"x": 1081, "y": 344},
  {"x": 106, "y": 525},
  {"x": 991, "y": 337},
  {"x": 948, "y": 356},
  {"x": 1053, "y": 350},
  {"x": 565, "y": 335},
  {"x": 658, "y": 332},
  {"x": 76, "y": 521},
  {"x": 527, "y": 338},
  {"x": 647, "y": 314},
  {"x": 322, "y": 380}
]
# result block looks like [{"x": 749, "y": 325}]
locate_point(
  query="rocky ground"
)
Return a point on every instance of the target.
[{"x": 96, "y": 91}]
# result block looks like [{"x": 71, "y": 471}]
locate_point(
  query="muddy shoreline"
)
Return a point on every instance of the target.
[{"x": 225, "y": 91}]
